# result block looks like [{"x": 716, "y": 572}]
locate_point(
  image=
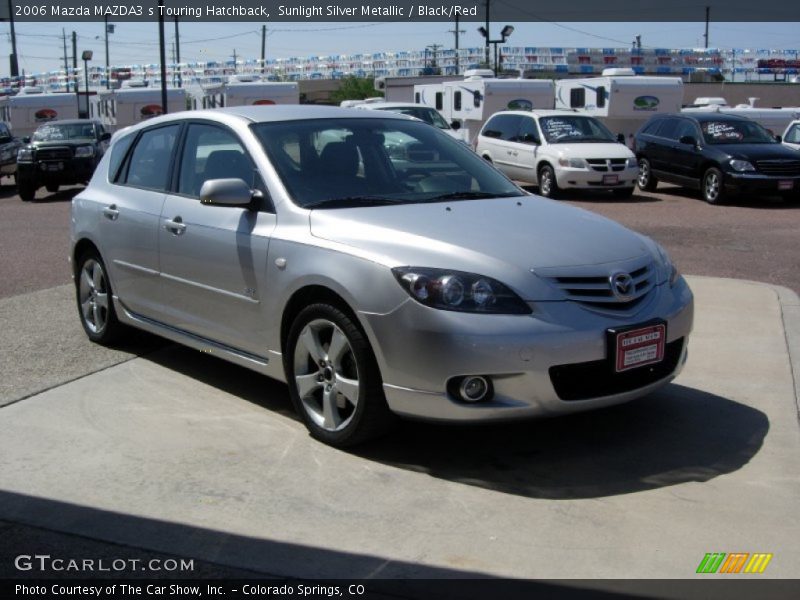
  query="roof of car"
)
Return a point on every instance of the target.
[
  {"x": 291, "y": 112},
  {"x": 706, "y": 116},
  {"x": 390, "y": 105},
  {"x": 544, "y": 113},
  {"x": 71, "y": 122}
]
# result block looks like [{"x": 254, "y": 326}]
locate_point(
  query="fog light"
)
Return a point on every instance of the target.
[{"x": 473, "y": 389}]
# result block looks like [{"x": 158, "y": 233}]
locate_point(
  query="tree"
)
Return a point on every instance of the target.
[{"x": 355, "y": 88}]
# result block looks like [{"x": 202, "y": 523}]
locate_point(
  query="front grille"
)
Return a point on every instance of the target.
[
  {"x": 604, "y": 165},
  {"x": 596, "y": 379},
  {"x": 779, "y": 167},
  {"x": 596, "y": 291},
  {"x": 59, "y": 153}
]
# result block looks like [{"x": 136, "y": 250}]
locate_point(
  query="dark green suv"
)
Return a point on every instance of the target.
[{"x": 60, "y": 153}]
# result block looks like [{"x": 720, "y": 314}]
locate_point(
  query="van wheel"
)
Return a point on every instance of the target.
[
  {"x": 548, "y": 186},
  {"x": 646, "y": 180},
  {"x": 333, "y": 378},
  {"x": 713, "y": 190}
]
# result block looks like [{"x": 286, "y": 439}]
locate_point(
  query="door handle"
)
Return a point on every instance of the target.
[
  {"x": 111, "y": 212},
  {"x": 515, "y": 153},
  {"x": 176, "y": 226}
]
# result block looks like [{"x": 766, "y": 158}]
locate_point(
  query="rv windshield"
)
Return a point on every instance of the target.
[
  {"x": 735, "y": 132},
  {"x": 429, "y": 115},
  {"x": 54, "y": 132},
  {"x": 574, "y": 129}
]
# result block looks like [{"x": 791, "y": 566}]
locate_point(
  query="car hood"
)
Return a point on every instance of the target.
[
  {"x": 504, "y": 238},
  {"x": 758, "y": 151},
  {"x": 593, "y": 150}
]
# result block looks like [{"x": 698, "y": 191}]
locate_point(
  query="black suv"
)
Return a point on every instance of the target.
[
  {"x": 717, "y": 153},
  {"x": 60, "y": 153},
  {"x": 9, "y": 145}
]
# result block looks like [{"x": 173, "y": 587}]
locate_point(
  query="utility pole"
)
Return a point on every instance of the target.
[
  {"x": 235, "y": 61},
  {"x": 75, "y": 63},
  {"x": 435, "y": 51},
  {"x": 14, "y": 66},
  {"x": 178, "y": 53},
  {"x": 488, "y": 61},
  {"x": 457, "y": 33},
  {"x": 108, "y": 71},
  {"x": 708, "y": 14},
  {"x": 66, "y": 64},
  {"x": 263, "y": 49},
  {"x": 162, "y": 51}
]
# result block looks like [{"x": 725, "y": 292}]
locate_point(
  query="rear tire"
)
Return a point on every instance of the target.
[
  {"x": 333, "y": 378},
  {"x": 713, "y": 187},
  {"x": 95, "y": 299},
  {"x": 646, "y": 181},
  {"x": 548, "y": 186}
]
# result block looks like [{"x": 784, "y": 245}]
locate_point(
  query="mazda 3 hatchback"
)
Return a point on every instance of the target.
[{"x": 293, "y": 241}]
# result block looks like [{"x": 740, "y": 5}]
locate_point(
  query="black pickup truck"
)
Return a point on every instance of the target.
[{"x": 60, "y": 153}]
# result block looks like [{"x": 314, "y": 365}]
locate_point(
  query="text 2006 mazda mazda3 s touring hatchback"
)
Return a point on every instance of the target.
[{"x": 373, "y": 263}]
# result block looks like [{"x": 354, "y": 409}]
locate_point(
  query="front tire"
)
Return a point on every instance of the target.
[
  {"x": 548, "y": 186},
  {"x": 26, "y": 191},
  {"x": 95, "y": 300},
  {"x": 646, "y": 180},
  {"x": 333, "y": 378},
  {"x": 52, "y": 187},
  {"x": 713, "y": 188}
]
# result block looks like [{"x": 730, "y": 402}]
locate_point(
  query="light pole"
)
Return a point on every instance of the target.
[
  {"x": 86, "y": 56},
  {"x": 504, "y": 34}
]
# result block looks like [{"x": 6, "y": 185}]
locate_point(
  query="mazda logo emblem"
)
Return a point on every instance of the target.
[{"x": 622, "y": 286}]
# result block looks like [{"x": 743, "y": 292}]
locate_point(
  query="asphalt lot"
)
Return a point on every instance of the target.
[{"x": 176, "y": 454}]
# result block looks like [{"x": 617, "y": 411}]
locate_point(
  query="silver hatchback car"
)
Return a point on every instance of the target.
[{"x": 301, "y": 243}]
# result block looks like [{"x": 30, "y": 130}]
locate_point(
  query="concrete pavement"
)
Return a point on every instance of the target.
[{"x": 178, "y": 453}]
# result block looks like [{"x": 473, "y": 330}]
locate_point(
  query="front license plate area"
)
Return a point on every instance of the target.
[
  {"x": 637, "y": 346},
  {"x": 610, "y": 179},
  {"x": 785, "y": 184}
]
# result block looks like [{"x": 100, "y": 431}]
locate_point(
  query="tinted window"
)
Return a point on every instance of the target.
[
  {"x": 63, "y": 131},
  {"x": 684, "y": 128},
  {"x": 577, "y": 98},
  {"x": 335, "y": 163},
  {"x": 574, "y": 128},
  {"x": 150, "y": 160},
  {"x": 211, "y": 152},
  {"x": 476, "y": 99},
  {"x": 502, "y": 127},
  {"x": 528, "y": 132},
  {"x": 667, "y": 129},
  {"x": 793, "y": 135},
  {"x": 651, "y": 127},
  {"x": 735, "y": 132},
  {"x": 118, "y": 151},
  {"x": 457, "y": 101},
  {"x": 416, "y": 97},
  {"x": 600, "y": 97},
  {"x": 439, "y": 101}
]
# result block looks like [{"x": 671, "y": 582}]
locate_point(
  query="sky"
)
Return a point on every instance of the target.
[{"x": 40, "y": 47}]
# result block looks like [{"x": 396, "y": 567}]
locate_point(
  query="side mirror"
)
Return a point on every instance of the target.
[
  {"x": 105, "y": 137},
  {"x": 226, "y": 192},
  {"x": 26, "y": 140},
  {"x": 621, "y": 138},
  {"x": 689, "y": 140},
  {"x": 455, "y": 125},
  {"x": 778, "y": 139},
  {"x": 529, "y": 138}
]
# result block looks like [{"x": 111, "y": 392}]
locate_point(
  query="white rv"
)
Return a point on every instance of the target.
[
  {"x": 32, "y": 107},
  {"x": 248, "y": 90},
  {"x": 131, "y": 104},
  {"x": 471, "y": 101},
  {"x": 773, "y": 119},
  {"x": 620, "y": 99}
]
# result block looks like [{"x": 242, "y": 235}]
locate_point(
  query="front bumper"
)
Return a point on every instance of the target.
[
  {"x": 748, "y": 183},
  {"x": 591, "y": 179},
  {"x": 71, "y": 170},
  {"x": 419, "y": 350}
]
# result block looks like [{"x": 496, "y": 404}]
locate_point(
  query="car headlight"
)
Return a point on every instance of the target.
[
  {"x": 667, "y": 265},
  {"x": 572, "y": 163},
  {"x": 459, "y": 291},
  {"x": 631, "y": 163},
  {"x": 25, "y": 155},
  {"x": 741, "y": 165},
  {"x": 84, "y": 151}
]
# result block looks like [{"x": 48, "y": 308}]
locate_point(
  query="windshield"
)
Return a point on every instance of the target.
[
  {"x": 58, "y": 132},
  {"x": 429, "y": 115},
  {"x": 735, "y": 132},
  {"x": 337, "y": 163},
  {"x": 569, "y": 129}
]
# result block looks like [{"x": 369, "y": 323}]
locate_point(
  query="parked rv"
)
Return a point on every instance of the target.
[
  {"x": 620, "y": 99},
  {"x": 247, "y": 90},
  {"x": 472, "y": 101},
  {"x": 424, "y": 113},
  {"x": 134, "y": 103},
  {"x": 32, "y": 106},
  {"x": 775, "y": 120}
]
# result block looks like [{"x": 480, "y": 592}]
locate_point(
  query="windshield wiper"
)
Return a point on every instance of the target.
[
  {"x": 352, "y": 202},
  {"x": 471, "y": 196}
]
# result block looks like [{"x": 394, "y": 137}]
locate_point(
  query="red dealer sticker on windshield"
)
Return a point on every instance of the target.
[{"x": 640, "y": 347}]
